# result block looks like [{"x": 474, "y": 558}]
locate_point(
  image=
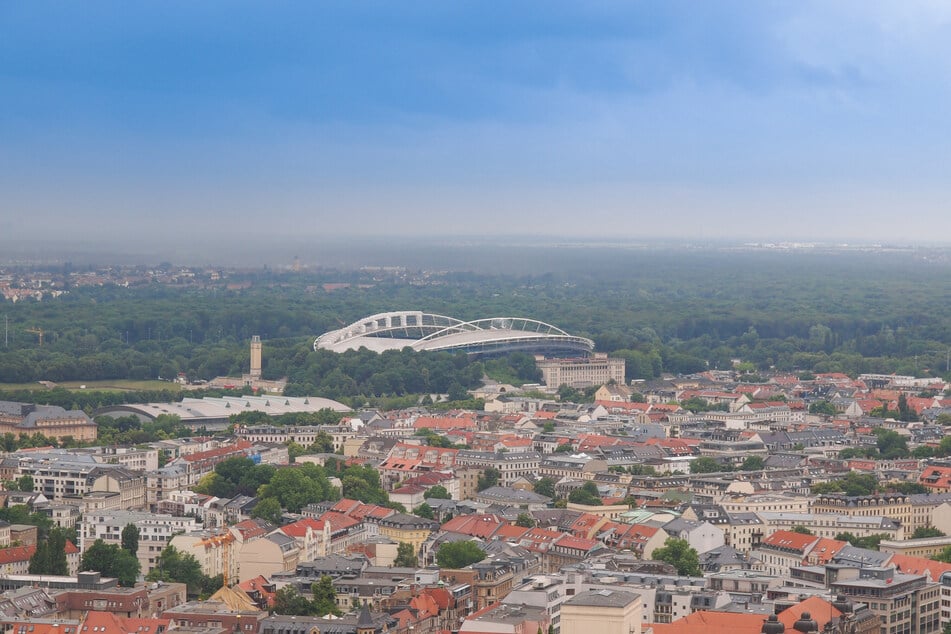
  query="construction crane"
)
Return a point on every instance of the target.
[
  {"x": 222, "y": 541},
  {"x": 39, "y": 332}
]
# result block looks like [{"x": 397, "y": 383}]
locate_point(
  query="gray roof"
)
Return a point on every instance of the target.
[
  {"x": 47, "y": 412},
  {"x": 404, "y": 520},
  {"x": 509, "y": 495},
  {"x": 860, "y": 556},
  {"x": 603, "y": 598}
]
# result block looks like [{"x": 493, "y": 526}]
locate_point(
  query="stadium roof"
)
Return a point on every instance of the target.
[{"x": 425, "y": 331}]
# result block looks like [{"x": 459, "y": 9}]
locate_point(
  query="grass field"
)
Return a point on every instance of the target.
[{"x": 115, "y": 386}]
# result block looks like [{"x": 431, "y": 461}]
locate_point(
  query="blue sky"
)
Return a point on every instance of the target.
[{"x": 750, "y": 120}]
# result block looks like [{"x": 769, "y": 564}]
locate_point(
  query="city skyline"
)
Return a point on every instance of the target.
[{"x": 182, "y": 123}]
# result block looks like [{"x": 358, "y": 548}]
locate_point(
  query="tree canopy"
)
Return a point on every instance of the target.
[
  {"x": 459, "y": 554},
  {"x": 175, "y": 566},
  {"x": 297, "y": 486},
  {"x": 112, "y": 561},
  {"x": 587, "y": 494},
  {"x": 679, "y": 554},
  {"x": 405, "y": 556}
]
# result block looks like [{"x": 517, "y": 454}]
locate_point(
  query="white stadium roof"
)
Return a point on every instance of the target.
[{"x": 426, "y": 331}]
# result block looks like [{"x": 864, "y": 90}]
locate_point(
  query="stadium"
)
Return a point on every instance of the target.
[{"x": 428, "y": 332}]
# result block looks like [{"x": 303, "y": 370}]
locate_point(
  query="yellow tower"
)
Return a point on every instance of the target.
[{"x": 255, "y": 357}]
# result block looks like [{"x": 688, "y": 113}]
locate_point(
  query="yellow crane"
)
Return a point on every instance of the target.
[{"x": 38, "y": 332}]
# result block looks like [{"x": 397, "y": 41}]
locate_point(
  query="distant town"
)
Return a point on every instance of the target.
[{"x": 803, "y": 502}]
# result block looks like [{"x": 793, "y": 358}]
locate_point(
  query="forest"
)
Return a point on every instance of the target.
[{"x": 678, "y": 311}]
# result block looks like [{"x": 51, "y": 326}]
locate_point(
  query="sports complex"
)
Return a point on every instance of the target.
[{"x": 426, "y": 331}]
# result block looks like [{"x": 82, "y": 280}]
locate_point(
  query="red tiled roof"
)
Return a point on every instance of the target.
[
  {"x": 713, "y": 623},
  {"x": 577, "y": 543},
  {"x": 936, "y": 478},
  {"x": 825, "y": 549},
  {"x": 236, "y": 447},
  {"x": 345, "y": 505},
  {"x": 110, "y": 623},
  {"x": 250, "y": 529},
  {"x": 510, "y": 531},
  {"x": 338, "y": 521},
  {"x": 299, "y": 528},
  {"x": 789, "y": 540},
  {"x": 257, "y": 584},
  {"x": 444, "y": 422},
  {"x": 920, "y": 566},
  {"x": 14, "y": 554},
  {"x": 818, "y": 608},
  {"x": 483, "y": 526}
]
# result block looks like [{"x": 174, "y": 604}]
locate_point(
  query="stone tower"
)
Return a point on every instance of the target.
[{"x": 255, "y": 358}]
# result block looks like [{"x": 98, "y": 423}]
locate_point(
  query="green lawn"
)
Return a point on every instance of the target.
[{"x": 115, "y": 385}]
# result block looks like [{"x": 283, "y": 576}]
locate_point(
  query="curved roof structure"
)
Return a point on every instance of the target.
[{"x": 425, "y": 331}]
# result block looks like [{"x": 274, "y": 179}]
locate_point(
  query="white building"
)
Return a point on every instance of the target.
[{"x": 155, "y": 532}]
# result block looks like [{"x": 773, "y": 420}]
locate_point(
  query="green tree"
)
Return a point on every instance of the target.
[
  {"x": 457, "y": 392},
  {"x": 870, "y": 542},
  {"x": 905, "y": 413},
  {"x": 926, "y": 531},
  {"x": 545, "y": 486},
  {"x": 944, "y": 555},
  {"x": 525, "y": 520},
  {"x": 174, "y": 566},
  {"x": 458, "y": 554},
  {"x": 130, "y": 539},
  {"x": 489, "y": 478},
  {"x": 25, "y": 483},
  {"x": 822, "y": 407},
  {"x": 801, "y": 530},
  {"x": 908, "y": 488},
  {"x": 362, "y": 483},
  {"x": 588, "y": 494},
  {"x": 679, "y": 554},
  {"x": 269, "y": 510},
  {"x": 891, "y": 444},
  {"x": 296, "y": 487},
  {"x": 288, "y": 601},
  {"x": 437, "y": 492},
  {"x": 49, "y": 558},
  {"x": 424, "y": 510},
  {"x": 753, "y": 463},
  {"x": 706, "y": 464},
  {"x": 324, "y": 597},
  {"x": 112, "y": 561},
  {"x": 856, "y": 483},
  {"x": 405, "y": 556}
]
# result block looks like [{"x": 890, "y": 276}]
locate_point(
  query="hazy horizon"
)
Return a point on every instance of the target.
[{"x": 188, "y": 126}]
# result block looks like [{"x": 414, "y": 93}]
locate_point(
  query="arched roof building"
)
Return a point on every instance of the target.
[{"x": 425, "y": 331}]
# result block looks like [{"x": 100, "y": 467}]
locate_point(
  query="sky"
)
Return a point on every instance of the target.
[{"x": 215, "y": 121}]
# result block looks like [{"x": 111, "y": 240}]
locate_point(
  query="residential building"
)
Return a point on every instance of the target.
[
  {"x": 510, "y": 465},
  {"x": 155, "y": 532},
  {"x": 597, "y": 369},
  {"x": 410, "y": 529}
]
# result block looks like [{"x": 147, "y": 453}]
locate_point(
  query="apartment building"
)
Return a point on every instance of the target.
[
  {"x": 510, "y": 465},
  {"x": 155, "y": 531},
  {"x": 59, "y": 476}
]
